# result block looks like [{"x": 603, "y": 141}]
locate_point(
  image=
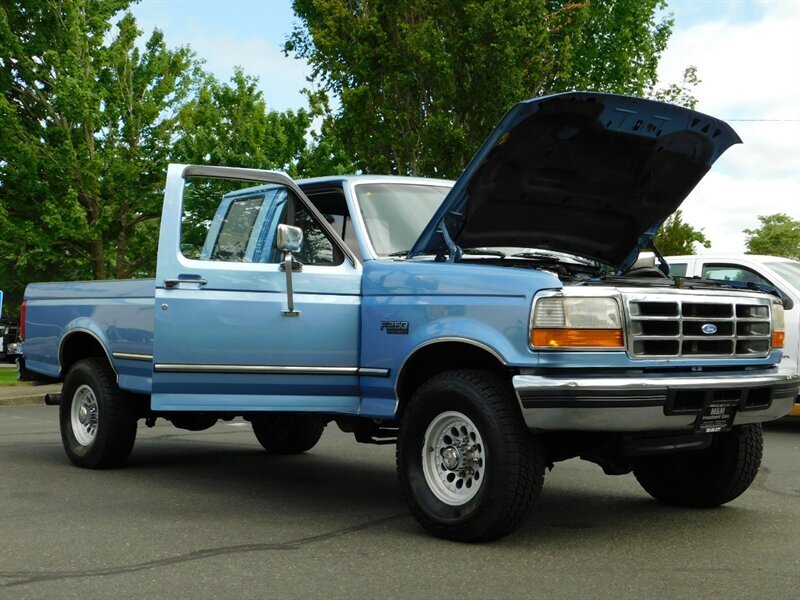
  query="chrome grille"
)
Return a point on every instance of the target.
[{"x": 683, "y": 325}]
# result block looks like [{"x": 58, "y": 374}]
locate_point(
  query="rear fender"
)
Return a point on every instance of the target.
[{"x": 81, "y": 339}]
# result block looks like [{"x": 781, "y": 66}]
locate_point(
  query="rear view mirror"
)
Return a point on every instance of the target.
[
  {"x": 289, "y": 238},
  {"x": 645, "y": 259},
  {"x": 788, "y": 303}
]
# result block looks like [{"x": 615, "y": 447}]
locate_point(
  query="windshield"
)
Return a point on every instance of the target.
[
  {"x": 789, "y": 270},
  {"x": 396, "y": 213}
]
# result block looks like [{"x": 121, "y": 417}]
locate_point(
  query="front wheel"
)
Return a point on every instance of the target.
[
  {"x": 467, "y": 464},
  {"x": 705, "y": 478},
  {"x": 97, "y": 419}
]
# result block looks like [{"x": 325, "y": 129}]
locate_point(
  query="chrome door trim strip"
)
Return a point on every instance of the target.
[
  {"x": 132, "y": 356},
  {"x": 369, "y": 372},
  {"x": 269, "y": 370}
]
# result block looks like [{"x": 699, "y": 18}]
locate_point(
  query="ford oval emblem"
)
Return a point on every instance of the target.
[{"x": 709, "y": 329}]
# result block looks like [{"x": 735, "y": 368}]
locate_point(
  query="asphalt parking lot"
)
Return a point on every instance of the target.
[{"x": 210, "y": 515}]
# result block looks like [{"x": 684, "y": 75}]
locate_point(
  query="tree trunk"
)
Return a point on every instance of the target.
[
  {"x": 122, "y": 271},
  {"x": 98, "y": 259}
]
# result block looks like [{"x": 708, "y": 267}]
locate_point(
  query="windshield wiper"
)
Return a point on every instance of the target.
[
  {"x": 399, "y": 253},
  {"x": 572, "y": 262},
  {"x": 484, "y": 251},
  {"x": 535, "y": 255}
]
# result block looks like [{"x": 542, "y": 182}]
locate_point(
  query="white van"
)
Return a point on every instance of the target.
[{"x": 782, "y": 273}]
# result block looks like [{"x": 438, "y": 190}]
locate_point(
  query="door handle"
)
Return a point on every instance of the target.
[{"x": 173, "y": 283}]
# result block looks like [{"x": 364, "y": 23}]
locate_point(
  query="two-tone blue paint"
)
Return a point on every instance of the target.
[
  {"x": 118, "y": 315},
  {"x": 230, "y": 331}
]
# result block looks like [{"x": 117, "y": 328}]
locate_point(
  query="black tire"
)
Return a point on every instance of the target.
[
  {"x": 288, "y": 433},
  {"x": 470, "y": 416},
  {"x": 705, "y": 478},
  {"x": 105, "y": 439}
]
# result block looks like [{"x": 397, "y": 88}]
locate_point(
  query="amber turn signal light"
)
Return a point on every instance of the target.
[
  {"x": 577, "y": 338},
  {"x": 777, "y": 339}
]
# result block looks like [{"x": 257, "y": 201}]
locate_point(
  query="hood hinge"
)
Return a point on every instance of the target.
[{"x": 454, "y": 249}]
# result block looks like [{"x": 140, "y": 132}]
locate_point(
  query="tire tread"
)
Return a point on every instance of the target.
[
  {"x": 524, "y": 467},
  {"x": 723, "y": 474},
  {"x": 116, "y": 432}
]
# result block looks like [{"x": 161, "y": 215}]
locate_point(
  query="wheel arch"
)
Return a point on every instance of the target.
[
  {"x": 441, "y": 355},
  {"x": 80, "y": 343}
]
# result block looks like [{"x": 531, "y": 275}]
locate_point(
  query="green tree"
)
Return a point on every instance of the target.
[
  {"x": 675, "y": 237},
  {"x": 88, "y": 119},
  {"x": 778, "y": 235},
  {"x": 91, "y": 117},
  {"x": 420, "y": 84},
  {"x": 325, "y": 154},
  {"x": 228, "y": 124},
  {"x": 679, "y": 93}
]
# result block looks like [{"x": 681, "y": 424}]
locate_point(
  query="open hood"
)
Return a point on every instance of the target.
[{"x": 584, "y": 173}]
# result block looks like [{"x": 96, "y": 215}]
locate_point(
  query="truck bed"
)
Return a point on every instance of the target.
[{"x": 116, "y": 313}]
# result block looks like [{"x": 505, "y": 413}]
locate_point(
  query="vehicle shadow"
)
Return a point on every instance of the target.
[
  {"x": 785, "y": 424},
  {"x": 344, "y": 483}
]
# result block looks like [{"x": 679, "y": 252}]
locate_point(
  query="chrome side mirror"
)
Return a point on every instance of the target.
[
  {"x": 645, "y": 260},
  {"x": 289, "y": 238}
]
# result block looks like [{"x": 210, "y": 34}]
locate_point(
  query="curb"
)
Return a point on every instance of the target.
[
  {"x": 22, "y": 400},
  {"x": 26, "y": 395}
]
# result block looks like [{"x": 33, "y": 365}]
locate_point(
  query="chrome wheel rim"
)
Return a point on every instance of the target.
[
  {"x": 84, "y": 415},
  {"x": 453, "y": 458}
]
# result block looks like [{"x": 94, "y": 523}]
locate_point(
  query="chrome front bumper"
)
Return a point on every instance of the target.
[{"x": 650, "y": 403}]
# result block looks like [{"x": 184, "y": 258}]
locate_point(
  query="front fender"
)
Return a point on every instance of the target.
[{"x": 468, "y": 331}]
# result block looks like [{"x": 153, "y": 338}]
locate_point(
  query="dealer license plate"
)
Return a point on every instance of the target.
[{"x": 717, "y": 415}]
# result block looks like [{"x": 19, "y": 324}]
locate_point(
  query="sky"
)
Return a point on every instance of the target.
[{"x": 747, "y": 53}]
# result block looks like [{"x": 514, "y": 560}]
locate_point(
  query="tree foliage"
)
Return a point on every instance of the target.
[
  {"x": 88, "y": 119},
  {"x": 228, "y": 124},
  {"x": 420, "y": 84},
  {"x": 675, "y": 237},
  {"x": 91, "y": 116},
  {"x": 778, "y": 235},
  {"x": 679, "y": 93}
]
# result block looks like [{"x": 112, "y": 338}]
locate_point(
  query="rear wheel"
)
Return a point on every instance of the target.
[
  {"x": 705, "y": 478},
  {"x": 97, "y": 419},
  {"x": 467, "y": 463},
  {"x": 288, "y": 433}
]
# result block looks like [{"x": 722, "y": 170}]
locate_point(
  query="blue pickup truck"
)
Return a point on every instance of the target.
[{"x": 490, "y": 327}]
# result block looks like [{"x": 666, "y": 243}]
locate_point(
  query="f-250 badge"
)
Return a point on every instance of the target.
[{"x": 395, "y": 327}]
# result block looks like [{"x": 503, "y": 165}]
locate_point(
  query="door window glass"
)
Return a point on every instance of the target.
[
  {"x": 318, "y": 248},
  {"x": 727, "y": 272},
  {"x": 330, "y": 201},
  {"x": 221, "y": 218},
  {"x": 677, "y": 269},
  {"x": 789, "y": 270},
  {"x": 229, "y": 220},
  {"x": 236, "y": 230}
]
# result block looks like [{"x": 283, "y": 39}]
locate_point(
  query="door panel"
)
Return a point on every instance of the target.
[{"x": 222, "y": 341}]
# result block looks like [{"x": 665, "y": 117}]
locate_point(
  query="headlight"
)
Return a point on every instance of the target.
[
  {"x": 778, "y": 325},
  {"x": 576, "y": 322}
]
